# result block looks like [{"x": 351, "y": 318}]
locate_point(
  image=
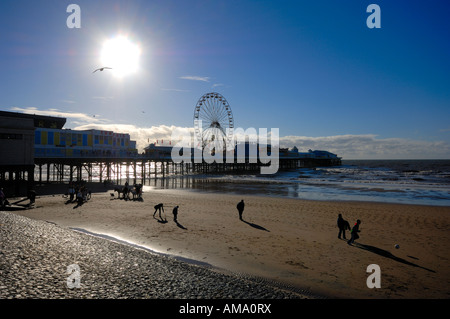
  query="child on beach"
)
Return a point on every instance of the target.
[{"x": 355, "y": 231}]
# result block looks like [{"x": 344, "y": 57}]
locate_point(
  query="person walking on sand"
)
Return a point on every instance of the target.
[
  {"x": 355, "y": 231},
  {"x": 3, "y": 200},
  {"x": 343, "y": 225},
  {"x": 71, "y": 191},
  {"x": 240, "y": 208},
  {"x": 159, "y": 207},
  {"x": 175, "y": 214}
]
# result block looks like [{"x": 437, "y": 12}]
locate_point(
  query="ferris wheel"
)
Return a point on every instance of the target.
[{"x": 213, "y": 120}]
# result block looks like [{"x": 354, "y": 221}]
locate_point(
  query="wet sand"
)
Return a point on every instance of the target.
[{"x": 291, "y": 241}]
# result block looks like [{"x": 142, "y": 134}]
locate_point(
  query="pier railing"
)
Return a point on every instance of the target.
[{"x": 136, "y": 167}]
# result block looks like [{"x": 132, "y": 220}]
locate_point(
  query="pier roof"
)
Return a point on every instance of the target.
[{"x": 39, "y": 120}]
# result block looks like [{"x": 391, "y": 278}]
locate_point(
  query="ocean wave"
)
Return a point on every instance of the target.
[{"x": 414, "y": 182}]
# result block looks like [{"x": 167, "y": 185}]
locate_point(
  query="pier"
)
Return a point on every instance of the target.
[
  {"x": 36, "y": 149},
  {"x": 141, "y": 168}
]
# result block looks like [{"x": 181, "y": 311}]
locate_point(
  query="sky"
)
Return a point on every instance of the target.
[{"x": 312, "y": 69}]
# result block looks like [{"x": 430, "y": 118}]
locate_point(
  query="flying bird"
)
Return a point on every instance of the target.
[{"x": 101, "y": 69}]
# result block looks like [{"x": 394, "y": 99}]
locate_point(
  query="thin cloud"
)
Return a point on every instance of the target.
[
  {"x": 75, "y": 117},
  {"x": 195, "y": 78},
  {"x": 143, "y": 136},
  {"x": 174, "y": 90},
  {"x": 103, "y": 98},
  {"x": 68, "y": 101},
  {"x": 369, "y": 146},
  {"x": 364, "y": 146}
]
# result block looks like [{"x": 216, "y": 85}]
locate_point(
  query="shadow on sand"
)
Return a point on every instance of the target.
[
  {"x": 162, "y": 221},
  {"x": 255, "y": 225},
  {"x": 18, "y": 205},
  {"x": 388, "y": 254},
  {"x": 181, "y": 226}
]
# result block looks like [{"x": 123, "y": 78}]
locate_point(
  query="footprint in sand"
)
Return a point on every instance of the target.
[{"x": 296, "y": 264}]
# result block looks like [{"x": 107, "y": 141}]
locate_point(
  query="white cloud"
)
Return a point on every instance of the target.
[
  {"x": 366, "y": 146},
  {"x": 75, "y": 117},
  {"x": 68, "y": 101},
  {"x": 143, "y": 136},
  {"x": 370, "y": 147},
  {"x": 174, "y": 90},
  {"x": 103, "y": 98},
  {"x": 347, "y": 146},
  {"x": 195, "y": 78}
]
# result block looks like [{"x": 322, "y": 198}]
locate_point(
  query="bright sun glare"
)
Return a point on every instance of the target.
[{"x": 121, "y": 55}]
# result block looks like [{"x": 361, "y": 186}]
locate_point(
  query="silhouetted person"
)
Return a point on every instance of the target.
[
  {"x": 32, "y": 196},
  {"x": 125, "y": 191},
  {"x": 159, "y": 207},
  {"x": 343, "y": 225},
  {"x": 79, "y": 198},
  {"x": 175, "y": 214},
  {"x": 355, "y": 231},
  {"x": 240, "y": 208},
  {"x": 71, "y": 191},
  {"x": 3, "y": 200}
]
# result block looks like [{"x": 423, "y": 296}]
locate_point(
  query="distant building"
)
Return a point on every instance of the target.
[
  {"x": 323, "y": 154},
  {"x": 17, "y": 149},
  {"x": 27, "y": 137},
  {"x": 158, "y": 151},
  {"x": 247, "y": 151},
  {"x": 51, "y": 143}
]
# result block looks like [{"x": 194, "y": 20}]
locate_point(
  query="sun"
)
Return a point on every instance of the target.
[{"x": 122, "y": 55}]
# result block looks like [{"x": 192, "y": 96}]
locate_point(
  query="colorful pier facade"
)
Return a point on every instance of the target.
[
  {"x": 37, "y": 149},
  {"x": 64, "y": 143}
]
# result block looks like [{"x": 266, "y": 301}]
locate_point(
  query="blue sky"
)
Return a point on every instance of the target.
[{"x": 313, "y": 69}]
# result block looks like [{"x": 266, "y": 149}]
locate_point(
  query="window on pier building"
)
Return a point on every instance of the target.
[
  {"x": 37, "y": 137},
  {"x": 50, "y": 140}
]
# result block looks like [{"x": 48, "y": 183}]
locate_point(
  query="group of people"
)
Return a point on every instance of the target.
[
  {"x": 160, "y": 207},
  {"x": 344, "y": 225},
  {"x": 79, "y": 191},
  {"x": 83, "y": 194},
  {"x": 136, "y": 190}
]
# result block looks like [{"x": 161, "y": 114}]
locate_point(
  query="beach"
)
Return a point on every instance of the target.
[{"x": 290, "y": 241}]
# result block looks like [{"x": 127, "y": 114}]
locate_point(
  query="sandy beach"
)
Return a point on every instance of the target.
[{"x": 291, "y": 241}]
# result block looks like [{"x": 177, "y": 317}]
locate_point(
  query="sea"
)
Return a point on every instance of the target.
[{"x": 420, "y": 182}]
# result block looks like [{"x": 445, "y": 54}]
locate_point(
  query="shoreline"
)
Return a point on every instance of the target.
[
  {"x": 37, "y": 258},
  {"x": 291, "y": 241},
  {"x": 57, "y": 188}
]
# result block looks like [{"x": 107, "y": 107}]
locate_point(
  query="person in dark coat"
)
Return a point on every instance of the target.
[
  {"x": 240, "y": 208},
  {"x": 175, "y": 214},
  {"x": 355, "y": 231},
  {"x": 159, "y": 207},
  {"x": 343, "y": 225}
]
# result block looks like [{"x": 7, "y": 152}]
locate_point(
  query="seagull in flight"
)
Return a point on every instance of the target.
[{"x": 101, "y": 69}]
